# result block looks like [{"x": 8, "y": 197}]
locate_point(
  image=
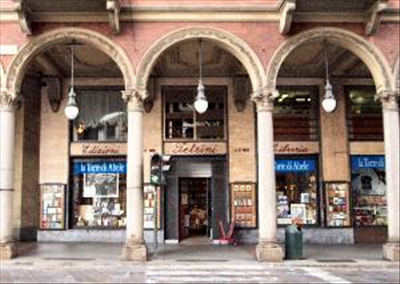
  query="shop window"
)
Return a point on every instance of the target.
[
  {"x": 182, "y": 122},
  {"x": 99, "y": 194},
  {"x": 296, "y": 114},
  {"x": 364, "y": 115},
  {"x": 369, "y": 190},
  {"x": 297, "y": 191},
  {"x": 102, "y": 115}
]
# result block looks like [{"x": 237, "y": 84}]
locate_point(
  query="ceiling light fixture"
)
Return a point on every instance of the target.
[
  {"x": 72, "y": 110},
  {"x": 329, "y": 103},
  {"x": 201, "y": 103}
]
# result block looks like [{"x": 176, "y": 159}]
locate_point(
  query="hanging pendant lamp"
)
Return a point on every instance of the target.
[
  {"x": 72, "y": 110},
  {"x": 329, "y": 103},
  {"x": 201, "y": 103}
]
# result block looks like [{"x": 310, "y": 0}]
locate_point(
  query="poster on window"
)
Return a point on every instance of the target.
[
  {"x": 101, "y": 185},
  {"x": 298, "y": 213},
  {"x": 368, "y": 175}
]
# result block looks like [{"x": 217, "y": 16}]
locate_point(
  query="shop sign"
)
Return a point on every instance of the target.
[
  {"x": 98, "y": 149},
  {"x": 367, "y": 162},
  {"x": 100, "y": 167},
  {"x": 295, "y": 165},
  {"x": 296, "y": 148},
  {"x": 195, "y": 149}
]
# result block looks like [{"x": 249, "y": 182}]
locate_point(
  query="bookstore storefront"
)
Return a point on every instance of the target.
[{"x": 369, "y": 198}]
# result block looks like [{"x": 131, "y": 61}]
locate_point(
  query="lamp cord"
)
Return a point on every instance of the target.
[
  {"x": 72, "y": 66},
  {"x": 326, "y": 60},
  {"x": 200, "y": 59}
]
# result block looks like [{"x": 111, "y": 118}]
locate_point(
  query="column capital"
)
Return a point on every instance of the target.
[
  {"x": 8, "y": 102},
  {"x": 135, "y": 99},
  {"x": 264, "y": 100},
  {"x": 389, "y": 100}
]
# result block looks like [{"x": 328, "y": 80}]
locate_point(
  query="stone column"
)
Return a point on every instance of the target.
[
  {"x": 135, "y": 247},
  {"x": 392, "y": 157},
  {"x": 268, "y": 248},
  {"x": 8, "y": 248}
]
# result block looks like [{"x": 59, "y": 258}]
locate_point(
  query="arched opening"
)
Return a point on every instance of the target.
[
  {"x": 344, "y": 188},
  {"x": 21, "y": 62},
  {"x": 206, "y": 167},
  {"x": 229, "y": 42},
  {"x": 68, "y": 173}
]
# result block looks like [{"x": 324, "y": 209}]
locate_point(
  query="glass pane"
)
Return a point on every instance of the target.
[
  {"x": 182, "y": 121},
  {"x": 102, "y": 115},
  {"x": 99, "y": 198},
  {"x": 365, "y": 122},
  {"x": 296, "y": 114}
]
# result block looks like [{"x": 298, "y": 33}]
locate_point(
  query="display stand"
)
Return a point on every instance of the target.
[
  {"x": 52, "y": 207},
  {"x": 243, "y": 202},
  {"x": 337, "y": 204},
  {"x": 149, "y": 202}
]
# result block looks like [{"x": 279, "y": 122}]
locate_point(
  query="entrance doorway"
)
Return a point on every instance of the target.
[{"x": 194, "y": 208}]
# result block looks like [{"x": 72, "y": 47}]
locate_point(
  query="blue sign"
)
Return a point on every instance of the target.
[
  {"x": 100, "y": 167},
  {"x": 295, "y": 165},
  {"x": 367, "y": 162}
]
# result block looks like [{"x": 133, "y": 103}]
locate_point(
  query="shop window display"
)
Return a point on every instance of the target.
[
  {"x": 99, "y": 194},
  {"x": 337, "y": 204},
  {"x": 297, "y": 191},
  {"x": 369, "y": 191}
]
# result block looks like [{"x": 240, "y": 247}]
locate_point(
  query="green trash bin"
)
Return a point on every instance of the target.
[{"x": 293, "y": 242}]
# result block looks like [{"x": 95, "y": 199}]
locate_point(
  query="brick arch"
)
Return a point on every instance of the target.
[
  {"x": 229, "y": 42},
  {"x": 366, "y": 51},
  {"x": 28, "y": 52}
]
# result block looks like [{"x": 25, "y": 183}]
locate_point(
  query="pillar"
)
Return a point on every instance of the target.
[
  {"x": 392, "y": 157},
  {"x": 135, "y": 248},
  {"x": 8, "y": 248},
  {"x": 268, "y": 248}
]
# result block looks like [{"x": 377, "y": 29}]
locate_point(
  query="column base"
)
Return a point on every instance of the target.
[
  {"x": 134, "y": 251},
  {"x": 8, "y": 251},
  {"x": 391, "y": 251},
  {"x": 270, "y": 252}
]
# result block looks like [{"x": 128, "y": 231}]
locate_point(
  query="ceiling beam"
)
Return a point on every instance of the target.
[{"x": 344, "y": 63}]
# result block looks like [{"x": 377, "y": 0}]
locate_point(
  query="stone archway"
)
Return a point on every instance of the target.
[
  {"x": 367, "y": 52},
  {"x": 28, "y": 52},
  {"x": 230, "y": 42}
]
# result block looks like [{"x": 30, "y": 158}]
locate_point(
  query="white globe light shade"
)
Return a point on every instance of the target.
[
  {"x": 329, "y": 105},
  {"x": 201, "y": 106},
  {"x": 201, "y": 103},
  {"x": 71, "y": 112}
]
